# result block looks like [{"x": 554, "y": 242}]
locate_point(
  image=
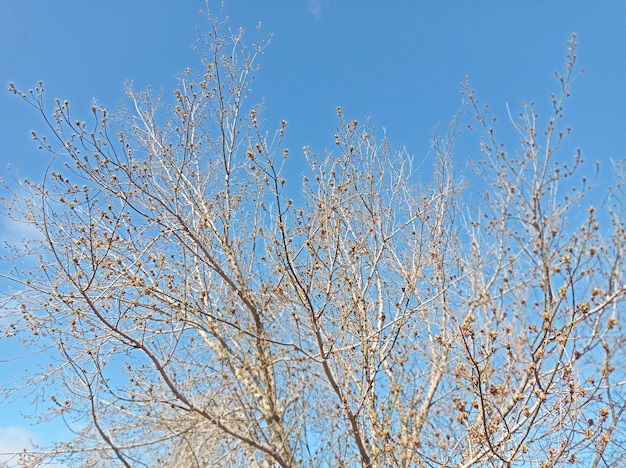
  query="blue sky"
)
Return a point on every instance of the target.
[{"x": 399, "y": 62}]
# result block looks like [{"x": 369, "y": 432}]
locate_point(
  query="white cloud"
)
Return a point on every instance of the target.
[
  {"x": 315, "y": 8},
  {"x": 15, "y": 231},
  {"x": 12, "y": 441}
]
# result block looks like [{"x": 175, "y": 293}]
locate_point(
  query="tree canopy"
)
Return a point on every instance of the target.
[{"x": 399, "y": 312}]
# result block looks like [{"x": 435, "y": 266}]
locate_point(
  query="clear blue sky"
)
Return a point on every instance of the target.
[{"x": 400, "y": 62}]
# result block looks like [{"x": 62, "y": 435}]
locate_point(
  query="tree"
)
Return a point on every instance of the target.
[{"x": 204, "y": 318}]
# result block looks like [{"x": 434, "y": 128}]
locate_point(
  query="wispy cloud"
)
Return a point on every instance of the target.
[
  {"x": 314, "y": 7},
  {"x": 16, "y": 230},
  {"x": 12, "y": 441}
]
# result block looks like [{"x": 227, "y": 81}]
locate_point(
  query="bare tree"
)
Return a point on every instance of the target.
[{"x": 204, "y": 318}]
